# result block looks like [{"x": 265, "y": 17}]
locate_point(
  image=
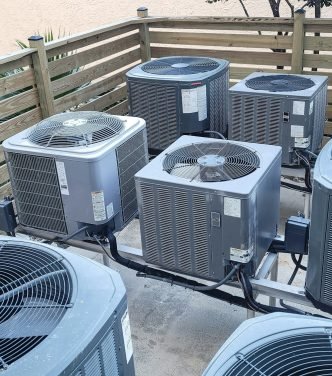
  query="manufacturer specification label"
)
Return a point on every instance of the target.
[
  {"x": 298, "y": 107},
  {"x": 98, "y": 205},
  {"x": 60, "y": 168},
  {"x": 194, "y": 100},
  {"x": 128, "y": 345},
  {"x": 297, "y": 131},
  {"x": 232, "y": 207}
]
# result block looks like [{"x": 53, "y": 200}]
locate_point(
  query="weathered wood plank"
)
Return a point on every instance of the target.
[
  {"x": 19, "y": 102},
  {"x": 86, "y": 41},
  {"x": 106, "y": 100},
  {"x": 93, "y": 54},
  {"x": 298, "y": 41},
  {"x": 239, "y": 73},
  {"x": 15, "y": 64},
  {"x": 238, "y": 57},
  {"x": 318, "y": 43},
  {"x": 19, "y": 81},
  {"x": 2, "y": 155},
  {"x": 328, "y": 127},
  {"x": 119, "y": 109},
  {"x": 4, "y": 175},
  {"x": 317, "y": 61},
  {"x": 17, "y": 124},
  {"x": 87, "y": 75},
  {"x": 215, "y": 23},
  {"x": 42, "y": 77},
  {"x": 221, "y": 40},
  {"x": 91, "y": 91},
  {"x": 329, "y": 112},
  {"x": 5, "y": 190}
]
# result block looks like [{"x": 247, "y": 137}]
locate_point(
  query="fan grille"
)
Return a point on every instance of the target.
[
  {"x": 35, "y": 292},
  {"x": 280, "y": 82},
  {"x": 211, "y": 162},
  {"x": 298, "y": 355},
  {"x": 75, "y": 129},
  {"x": 182, "y": 65}
]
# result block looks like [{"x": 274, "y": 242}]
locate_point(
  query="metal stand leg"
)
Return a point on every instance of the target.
[
  {"x": 274, "y": 277},
  {"x": 106, "y": 260},
  {"x": 307, "y": 197}
]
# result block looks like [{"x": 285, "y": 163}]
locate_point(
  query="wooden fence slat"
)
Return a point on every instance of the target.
[
  {"x": 196, "y": 25},
  {"x": 5, "y": 190},
  {"x": 317, "y": 61},
  {"x": 15, "y": 64},
  {"x": 17, "y": 124},
  {"x": 93, "y": 54},
  {"x": 328, "y": 127},
  {"x": 2, "y": 155},
  {"x": 4, "y": 175},
  {"x": 106, "y": 100},
  {"x": 86, "y": 93},
  {"x": 19, "y": 102},
  {"x": 298, "y": 41},
  {"x": 16, "y": 82},
  {"x": 261, "y": 58},
  {"x": 222, "y": 40},
  {"x": 55, "y": 48},
  {"x": 119, "y": 109},
  {"x": 318, "y": 43},
  {"x": 87, "y": 75}
]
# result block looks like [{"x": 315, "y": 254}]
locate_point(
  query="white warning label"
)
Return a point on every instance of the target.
[
  {"x": 128, "y": 345},
  {"x": 60, "y": 168},
  {"x": 298, "y": 107},
  {"x": 194, "y": 100},
  {"x": 297, "y": 131},
  {"x": 232, "y": 207},
  {"x": 98, "y": 205}
]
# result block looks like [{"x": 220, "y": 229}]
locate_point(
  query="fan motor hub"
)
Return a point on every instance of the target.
[
  {"x": 74, "y": 122},
  {"x": 279, "y": 82},
  {"x": 180, "y": 65},
  {"x": 211, "y": 160}
]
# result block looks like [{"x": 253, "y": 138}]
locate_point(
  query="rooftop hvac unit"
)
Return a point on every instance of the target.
[
  {"x": 74, "y": 169},
  {"x": 202, "y": 205},
  {"x": 319, "y": 273},
  {"x": 279, "y": 109},
  {"x": 276, "y": 345},
  {"x": 60, "y": 314},
  {"x": 179, "y": 95}
]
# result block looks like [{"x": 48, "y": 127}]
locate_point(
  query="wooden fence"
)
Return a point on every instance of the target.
[{"x": 87, "y": 71}]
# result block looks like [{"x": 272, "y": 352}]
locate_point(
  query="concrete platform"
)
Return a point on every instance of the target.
[{"x": 177, "y": 331}]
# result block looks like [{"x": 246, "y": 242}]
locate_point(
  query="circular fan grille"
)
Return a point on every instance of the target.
[
  {"x": 35, "y": 292},
  {"x": 75, "y": 129},
  {"x": 298, "y": 355},
  {"x": 181, "y": 65},
  {"x": 280, "y": 82},
  {"x": 211, "y": 162}
]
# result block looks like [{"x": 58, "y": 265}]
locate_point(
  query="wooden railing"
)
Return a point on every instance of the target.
[{"x": 86, "y": 71}]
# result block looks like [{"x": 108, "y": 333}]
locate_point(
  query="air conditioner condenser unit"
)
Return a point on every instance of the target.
[
  {"x": 279, "y": 109},
  {"x": 61, "y": 314},
  {"x": 205, "y": 203},
  {"x": 179, "y": 95},
  {"x": 276, "y": 344},
  {"x": 76, "y": 169}
]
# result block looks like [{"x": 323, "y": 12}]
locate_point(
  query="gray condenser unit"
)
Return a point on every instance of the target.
[
  {"x": 203, "y": 205},
  {"x": 76, "y": 169},
  {"x": 277, "y": 344},
  {"x": 179, "y": 95},
  {"x": 279, "y": 109},
  {"x": 319, "y": 272},
  {"x": 61, "y": 314}
]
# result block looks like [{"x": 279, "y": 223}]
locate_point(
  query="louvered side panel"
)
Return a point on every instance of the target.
[
  {"x": 218, "y": 96},
  {"x": 200, "y": 234},
  {"x": 157, "y": 105},
  {"x": 37, "y": 193},
  {"x": 255, "y": 119},
  {"x": 166, "y": 229},
  {"x": 175, "y": 230},
  {"x": 148, "y": 220},
  {"x": 93, "y": 367},
  {"x": 109, "y": 355},
  {"x": 235, "y": 125},
  {"x": 131, "y": 156},
  {"x": 327, "y": 270},
  {"x": 319, "y": 118}
]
